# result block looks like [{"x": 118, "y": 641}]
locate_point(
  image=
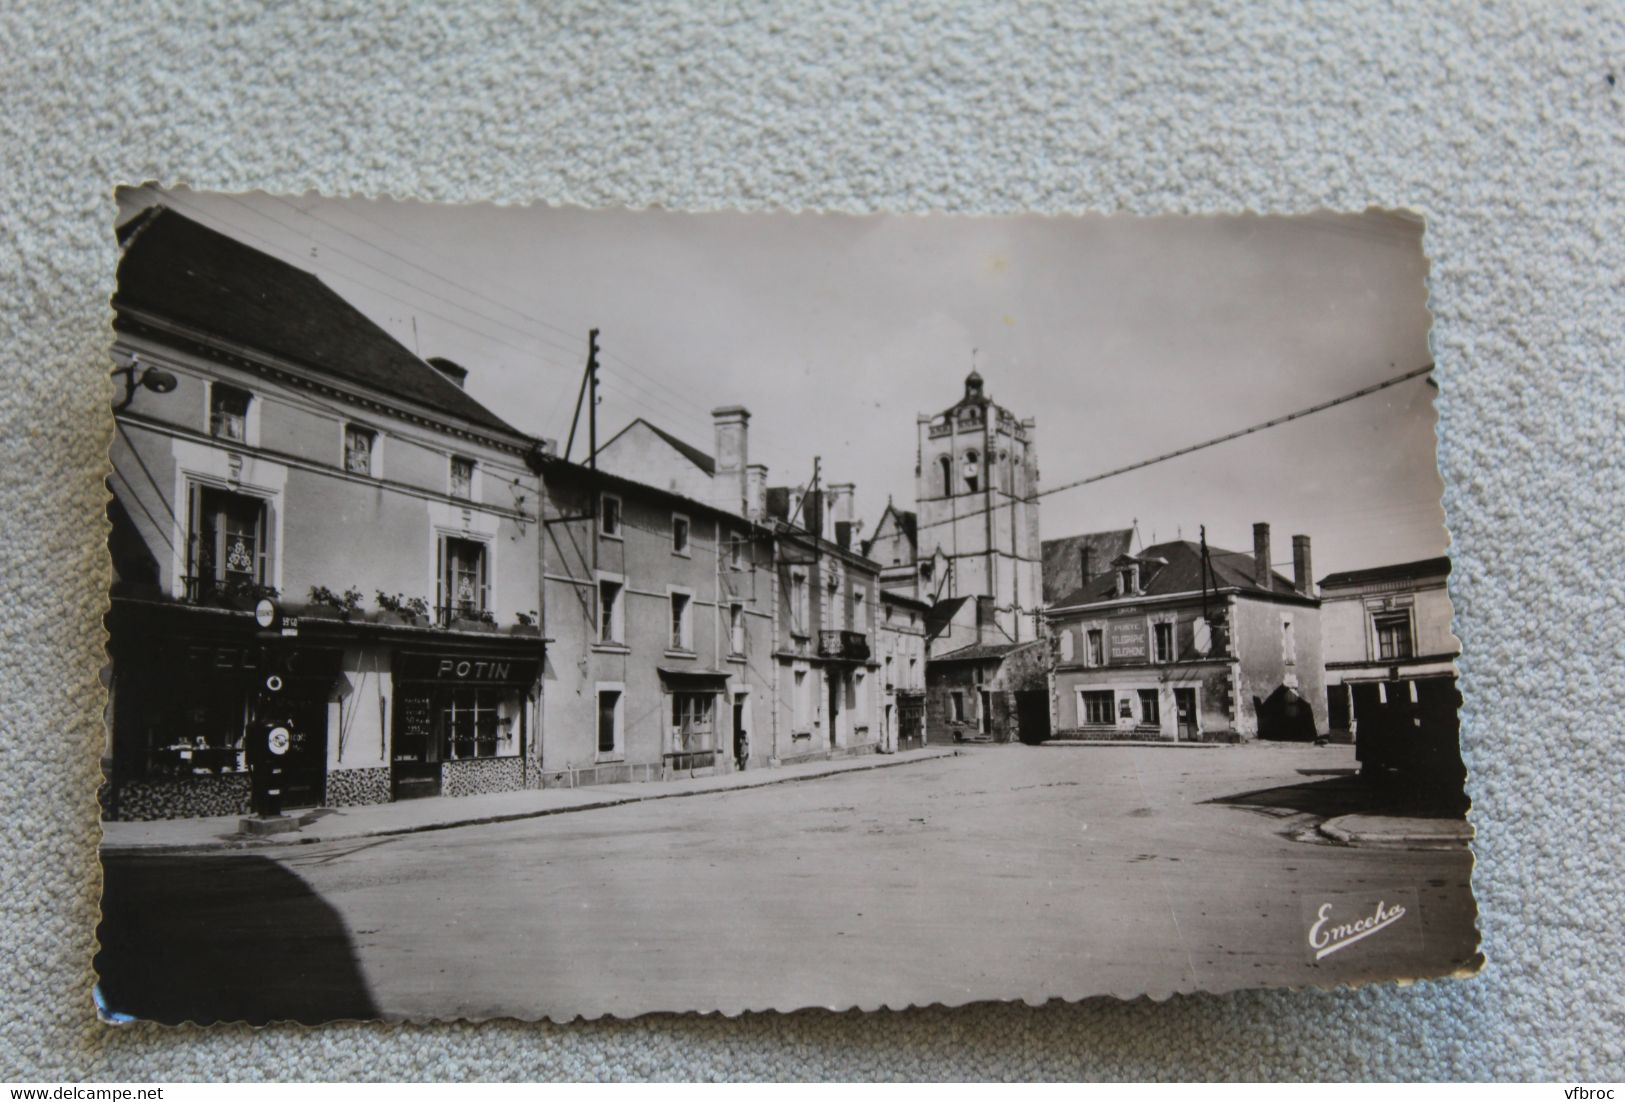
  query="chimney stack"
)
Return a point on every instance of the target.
[
  {"x": 813, "y": 507},
  {"x": 779, "y": 502},
  {"x": 732, "y": 457},
  {"x": 454, "y": 372},
  {"x": 1084, "y": 572},
  {"x": 1303, "y": 576},
  {"x": 1261, "y": 555},
  {"x": 756, "y": 491},
  {"x": 840, "y": 501}
]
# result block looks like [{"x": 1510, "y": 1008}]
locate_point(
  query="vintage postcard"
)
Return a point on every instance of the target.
[{"x": 544, "y": 612}]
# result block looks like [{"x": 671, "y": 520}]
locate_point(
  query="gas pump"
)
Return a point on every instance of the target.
[{"x": 270, "y": 737}]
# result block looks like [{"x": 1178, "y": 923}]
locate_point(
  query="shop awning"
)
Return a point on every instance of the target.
[{"x": 693, "y": 675}]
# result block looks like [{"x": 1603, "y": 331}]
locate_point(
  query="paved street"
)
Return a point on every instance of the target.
[{"x": 1009, "y": 872}]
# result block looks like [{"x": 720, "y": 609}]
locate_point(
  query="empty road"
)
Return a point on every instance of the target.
[{"x": 1009, "y": 872}]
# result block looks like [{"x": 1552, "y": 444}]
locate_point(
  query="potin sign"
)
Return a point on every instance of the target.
[{"x": 466, "y": 669}]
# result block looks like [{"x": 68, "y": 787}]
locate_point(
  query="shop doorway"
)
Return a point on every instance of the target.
[
  {"x": 911, "y": 721},
  {"x": 834, "y": 708},
  {"x": 741, "y": 736},
  {"x": 1186, "y": 727},
  {"x": 415, "y": 763},
  {"x": 304, "y": 766}
]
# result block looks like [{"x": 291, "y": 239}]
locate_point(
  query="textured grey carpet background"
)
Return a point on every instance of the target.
[{"x": 1502, "y": 125}]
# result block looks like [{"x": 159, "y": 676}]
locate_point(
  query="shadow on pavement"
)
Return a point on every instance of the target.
[
  {"x": 1338, "y": 795},
  {"x": 1346, "y": 792},
  {"x": 223, "y": 939}
]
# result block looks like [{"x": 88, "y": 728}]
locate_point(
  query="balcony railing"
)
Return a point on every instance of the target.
[
  {"x": 463, "y": 615},
  {"x": 230, "y": 592},
  {"x": 852, "y": 646},
  {"x": 692, "y": 749}
]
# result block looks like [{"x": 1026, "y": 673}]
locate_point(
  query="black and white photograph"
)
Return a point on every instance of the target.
[{"x": 546, "y": 612}]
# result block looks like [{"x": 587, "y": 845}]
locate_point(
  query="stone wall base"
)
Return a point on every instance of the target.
[
  {"x": 197, "y": 797},
  {"x": 358, "y": 787},
  {"x": 478, "y": 776}
]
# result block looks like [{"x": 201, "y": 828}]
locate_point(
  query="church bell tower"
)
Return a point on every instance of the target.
[{"x": 976, "y": 474}]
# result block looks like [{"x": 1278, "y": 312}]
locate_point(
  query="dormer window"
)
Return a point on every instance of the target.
[
  {"x": 462, "y": 478},
  {"x": 228, "y": 412},
  {"x": 359, "y": 446},
  {"x": 1128, "y": 580}
]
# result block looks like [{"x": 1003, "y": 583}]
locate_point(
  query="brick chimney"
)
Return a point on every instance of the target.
[
  {"x": 732, "y": 455},
  {"x": 1303, "y": 575},
  {"x": 1084, "y": 571},
  {"x": 1261, "y": 555}
]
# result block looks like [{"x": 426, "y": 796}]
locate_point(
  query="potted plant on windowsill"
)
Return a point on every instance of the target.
[
  {"x": 469, "y": 620},
  {"x": 241, "y": 596},
  {"x": 526, "y": 625},
  {"x": 327, "y": 605},
  {"x": 400, "y": 609}
]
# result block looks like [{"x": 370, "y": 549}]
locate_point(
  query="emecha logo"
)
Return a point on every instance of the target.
[{"x": 1327, "y": 936}]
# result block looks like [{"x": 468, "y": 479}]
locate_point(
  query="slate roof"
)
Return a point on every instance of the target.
[
  {"x": 1062, "y": 568},
  {"x": 694, "y": 455},
  {"x": 182, "y": 271},
  {"x": 1181, "y": 574},
  {"x": 904, "y": 599},
  {"x": 981, "y": 652},
  {"x": 1421, "y": 568},
  {"x": 942, "y": 612},
  {"x": 907, "y": 522}
]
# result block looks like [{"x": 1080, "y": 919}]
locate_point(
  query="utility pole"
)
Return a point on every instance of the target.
[
  {"x": 591, "y": 373},
  {"x": 592, "y": 407}
]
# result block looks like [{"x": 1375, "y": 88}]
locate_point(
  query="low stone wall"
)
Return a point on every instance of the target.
[
  {"x": 358, "y": 787},
  {"x": 180, "y": 798},
  {"x": 477, "y": 776},
  {"x": 585, "y": 776},
  {"x": 831, "y": 754}
]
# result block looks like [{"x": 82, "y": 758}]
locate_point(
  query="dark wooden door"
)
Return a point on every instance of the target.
[
  {"x": 1189, "y": 730},
  {"x": 415, "y": 760}
]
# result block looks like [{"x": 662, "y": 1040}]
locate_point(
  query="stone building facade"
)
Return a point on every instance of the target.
[
  {"x": 272, "y": 443},
  {"x": 1391, "y": 666},
  {"x": 1182, "y": 642},
  {"x": 660, "y": 613},
  {"x": 900, "y": 635}
]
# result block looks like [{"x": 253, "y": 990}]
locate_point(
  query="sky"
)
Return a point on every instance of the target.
[{"x": 1124, "y": 338}]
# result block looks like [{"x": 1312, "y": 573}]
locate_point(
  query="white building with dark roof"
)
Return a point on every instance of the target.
[
  {"x": 273, "y": 443},
  {"x": 1191, "y": 643}
]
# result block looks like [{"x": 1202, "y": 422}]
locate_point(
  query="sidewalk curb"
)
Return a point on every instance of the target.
[
  {"x": 1336, "y": 833},
  {"x": 285, "y": 841},
  {"x": 1168, "y": 744}
]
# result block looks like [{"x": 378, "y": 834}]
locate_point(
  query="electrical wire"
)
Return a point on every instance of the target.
[{"x": 1188, "y": 449}]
